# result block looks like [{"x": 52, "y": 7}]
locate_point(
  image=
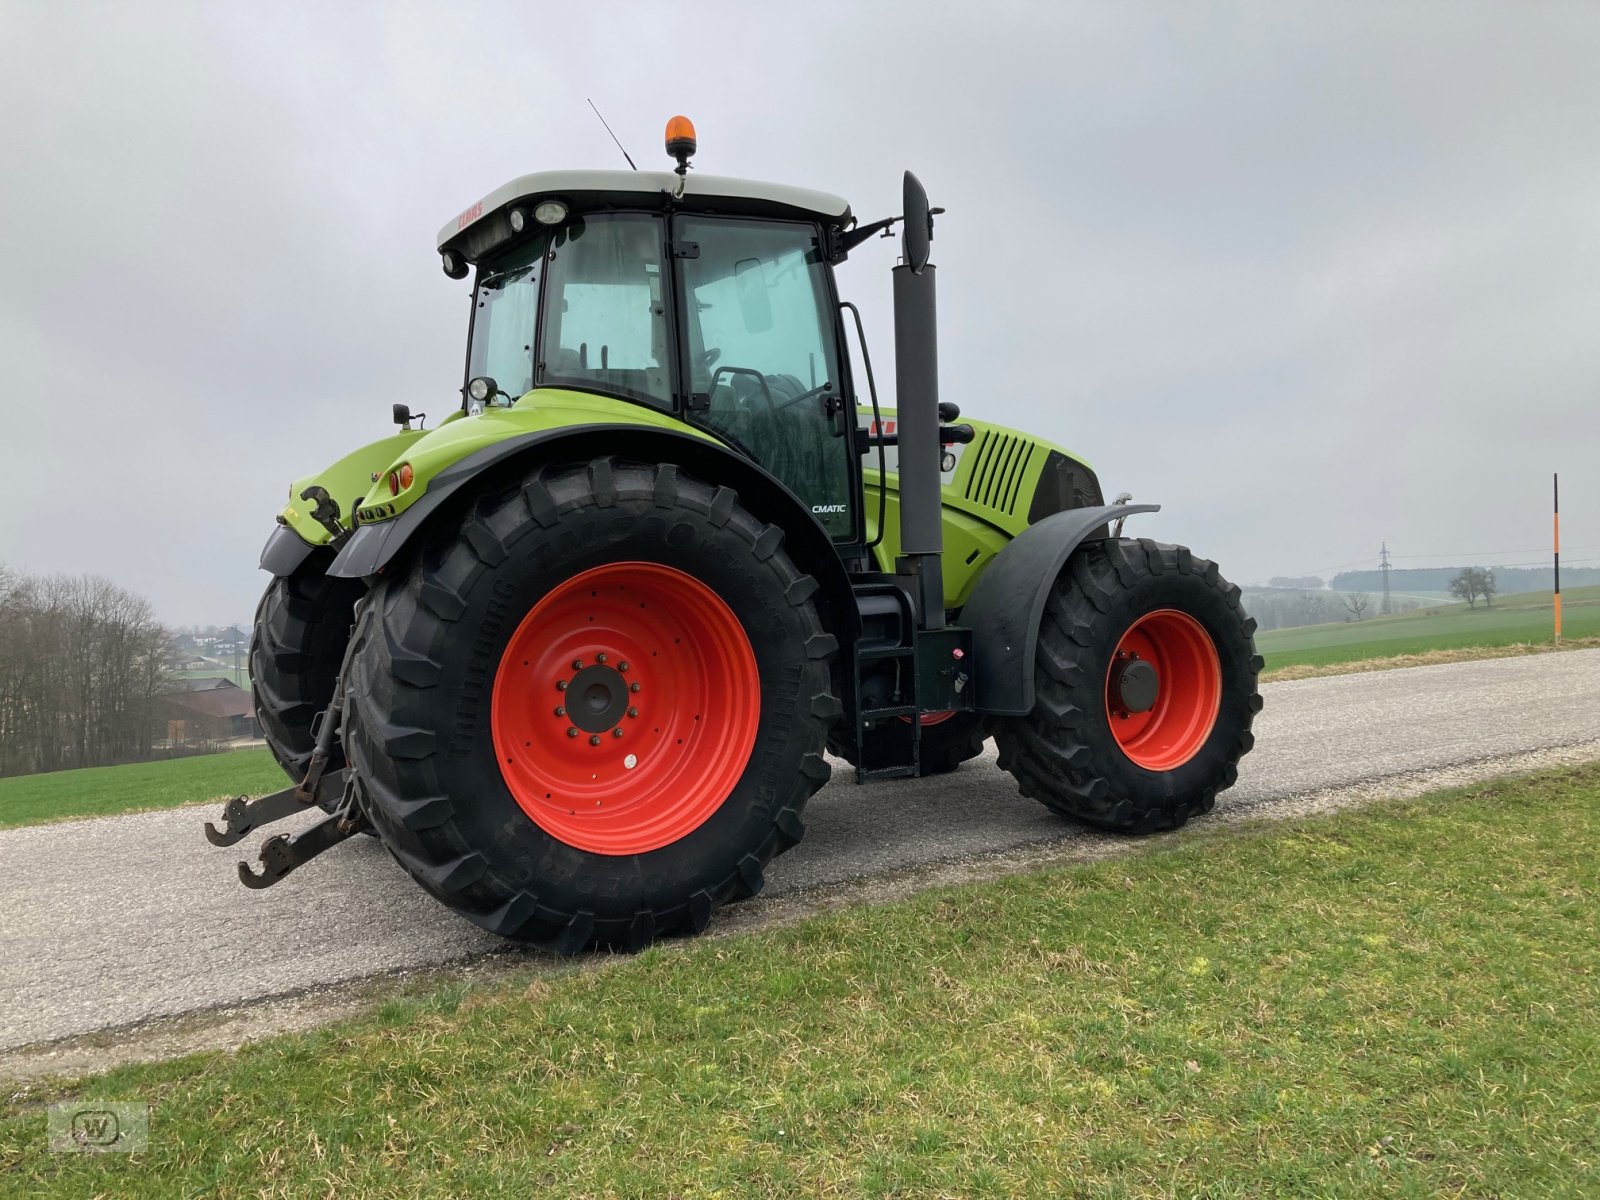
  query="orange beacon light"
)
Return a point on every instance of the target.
[{"x": 680, "y": 141}]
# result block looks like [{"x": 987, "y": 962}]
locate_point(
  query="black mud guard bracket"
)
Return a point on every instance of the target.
[
  {"x": 372, "y": 548},
  {"x": 1007, "y": 603}
]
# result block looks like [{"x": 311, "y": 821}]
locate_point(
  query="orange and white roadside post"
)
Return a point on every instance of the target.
[{"x": 1555, "y": 483}]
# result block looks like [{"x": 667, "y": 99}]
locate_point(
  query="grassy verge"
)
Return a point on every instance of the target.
[
  {"x": 1395, "y": 1001},
  {"x": 1425, "y": 658},
  {"x": 1524, "y": 619},
  {"x": 99, "y": 791}
]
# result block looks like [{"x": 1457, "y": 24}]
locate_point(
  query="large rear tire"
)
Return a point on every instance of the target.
[
  {"x": 1145, "y": 689},
  {"x": 302, "y": 628},
  {"x": 490, "y": 675}
]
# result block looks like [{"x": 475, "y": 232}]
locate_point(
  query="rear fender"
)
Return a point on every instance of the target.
[
  {"x": 1008, "y": 602},
  {"x": 286, "y": 552},
  {"x": 374, "y": 548}
]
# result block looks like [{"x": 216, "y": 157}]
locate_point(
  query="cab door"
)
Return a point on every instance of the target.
[{"x": 762, "y": 356}]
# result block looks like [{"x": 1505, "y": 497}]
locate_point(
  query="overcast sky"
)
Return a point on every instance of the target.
[{"x": 1313, "y": 276}]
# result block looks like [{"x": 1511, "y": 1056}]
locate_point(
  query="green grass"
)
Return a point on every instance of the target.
[
  {"x": 99, "y": 791},
  {"x": 1393, "y": 1002},
  {"x": 1522, "y": 618}
]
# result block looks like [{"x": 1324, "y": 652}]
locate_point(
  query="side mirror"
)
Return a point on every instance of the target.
[
  {"x": 402, "y": 415},
  {"x": 754, "y": 305},
  {"x": 918, "y": 224}
]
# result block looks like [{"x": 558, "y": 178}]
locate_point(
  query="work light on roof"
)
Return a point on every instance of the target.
[
  {"x": 518, "y": 218},
  {"x": 550, "y": 212}
]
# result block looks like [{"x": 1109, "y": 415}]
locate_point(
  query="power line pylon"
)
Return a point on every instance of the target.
[{"x": 1383, "y": 558}]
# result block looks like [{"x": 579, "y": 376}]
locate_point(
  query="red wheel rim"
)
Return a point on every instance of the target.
[
  {"x": 1189, "y": 672},
  {"x": 932, "y": 718},
  {"x": 671, "y": 653}
]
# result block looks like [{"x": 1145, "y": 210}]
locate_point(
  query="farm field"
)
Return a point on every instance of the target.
[
  {"x": 1396, "y": 1000},
  {"x": 99, "y": 791},
  {"x": 1521, "y": 618}
]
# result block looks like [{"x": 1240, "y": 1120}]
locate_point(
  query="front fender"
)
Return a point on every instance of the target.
[{"x": 1008, "y": 602}]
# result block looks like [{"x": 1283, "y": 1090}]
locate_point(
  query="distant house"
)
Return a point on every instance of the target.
[
  {"x": 209, "y": 710},
  {"x": 231, "y": 640},
  {"x": 209, "y": 684}
]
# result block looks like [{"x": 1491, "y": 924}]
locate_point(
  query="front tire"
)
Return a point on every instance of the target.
[
  {"x": 1145, "y": 689},
  {"x": 667, "y": 611}
]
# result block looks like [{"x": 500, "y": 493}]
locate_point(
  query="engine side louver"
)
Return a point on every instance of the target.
[{"x": 999, "y": 465}]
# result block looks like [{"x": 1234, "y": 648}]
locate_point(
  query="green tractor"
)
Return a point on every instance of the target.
[{"x": 576, "y": 653}]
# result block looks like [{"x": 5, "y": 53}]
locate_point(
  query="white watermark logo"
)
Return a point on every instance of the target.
[{"x": 99, "y": 1126}]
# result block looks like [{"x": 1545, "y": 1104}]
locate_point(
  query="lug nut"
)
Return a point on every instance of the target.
[
  {"x": 577, "y": 664},
  {"x": 600, "y": 658},
  {"x": 561, "y": 685},
  {"x": 633, "y": 687},
  {"x": 633, "y": 712},
  {"x": 617, "y": 732},
  {"x": 622, "y": 666},
  {"x": 561, "y": 710},
  {"x": 571, "y": 732},
  {"x": 594, "y": 739}
]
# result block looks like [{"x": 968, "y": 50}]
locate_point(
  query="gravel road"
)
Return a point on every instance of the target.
[{"x": 115, "y": 921}]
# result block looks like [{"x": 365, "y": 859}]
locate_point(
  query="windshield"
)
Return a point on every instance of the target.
[{"x": 507, "y": 306}]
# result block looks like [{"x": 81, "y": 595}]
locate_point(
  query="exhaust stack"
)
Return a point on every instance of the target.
[{"x": 916, "y": 352}]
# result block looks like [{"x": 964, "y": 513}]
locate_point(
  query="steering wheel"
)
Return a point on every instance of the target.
[{"x": 704, "y": 360}]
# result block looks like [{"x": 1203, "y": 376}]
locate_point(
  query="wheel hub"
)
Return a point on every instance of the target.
[
  {"x": 1135, "y": 685},
  {"x": 597, "y": 696}
]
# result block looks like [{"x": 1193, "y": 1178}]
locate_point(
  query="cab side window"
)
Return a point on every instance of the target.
[
  {"x": 605, "y": 324},
  {"x": 762, "y": 353}
]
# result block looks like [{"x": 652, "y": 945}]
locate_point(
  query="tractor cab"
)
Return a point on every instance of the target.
[{"x": 710, "y": 299}]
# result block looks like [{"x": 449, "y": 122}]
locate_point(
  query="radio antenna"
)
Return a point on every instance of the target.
[{"x": 613, "y": 136}]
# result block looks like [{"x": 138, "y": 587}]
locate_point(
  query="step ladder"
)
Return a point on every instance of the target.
[{"x": 886, "y": 680}]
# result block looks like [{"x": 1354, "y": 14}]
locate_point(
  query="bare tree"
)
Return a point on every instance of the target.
[
  {"x": 81, "y": 661},
  {"x": 1357, "y": 603},
  {"x": 1487, "y": 587},
  {"x": 1465, "y": 586}
]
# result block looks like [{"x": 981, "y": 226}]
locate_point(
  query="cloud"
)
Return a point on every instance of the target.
[{"x": 1312, "y": 276}]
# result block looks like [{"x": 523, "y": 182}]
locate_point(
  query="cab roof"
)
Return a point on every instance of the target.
[{"x": 641, "y": 189}]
